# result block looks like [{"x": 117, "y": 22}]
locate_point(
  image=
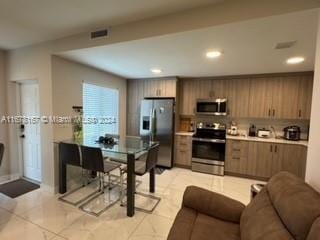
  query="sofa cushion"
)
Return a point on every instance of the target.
[
  {"x": 297, "y": 204},
  {"x": 193, "y": 225},
  {"x": 206, "y": 227},
  {"x": 260, "y": 221},
  {"x": 183, "y": 224},
  {"x": 314, "y": 233},
  {"x": 213, "y": 204}
]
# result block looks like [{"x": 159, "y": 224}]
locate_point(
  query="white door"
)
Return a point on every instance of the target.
[{"x": 30, "y": 132}]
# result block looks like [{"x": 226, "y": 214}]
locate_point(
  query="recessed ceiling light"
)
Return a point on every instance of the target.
[
  {"x": 295, "y": 60},
  {"x": 213, "y": 54},
  {"x": 156, "y": 70}
]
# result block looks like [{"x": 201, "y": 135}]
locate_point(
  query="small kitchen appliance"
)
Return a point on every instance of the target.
[
  {"x": 264, "y": 133},
  {"x": 233, "y": 130},
  {"x": 292, "y": 133},
  {"x": 252, "y": 131}
]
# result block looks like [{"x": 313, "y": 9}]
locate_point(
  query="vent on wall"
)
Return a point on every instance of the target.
[
  {"x": 284, "y": 45},
  {"x": 100, "y": 33}
]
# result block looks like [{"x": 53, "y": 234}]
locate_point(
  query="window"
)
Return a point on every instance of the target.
[{"x": 102, "y": 105}]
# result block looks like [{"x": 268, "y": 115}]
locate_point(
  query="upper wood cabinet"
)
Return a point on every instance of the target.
[
  {"x": 139, "y": 89},
  {"x": 187, "y": 97},
  {"x": 135, "y": 93},
  {"x": 284, "y": 97},
  {"x": 160, "y": 88},
  {"x": 238, "y": 94}
]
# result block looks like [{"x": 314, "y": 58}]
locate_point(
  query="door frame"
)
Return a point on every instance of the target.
[{"x": 19, "y": 83}]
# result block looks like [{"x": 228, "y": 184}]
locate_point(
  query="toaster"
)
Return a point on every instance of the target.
[
  {"x": 264, "y": 133},
  {"x": 292, "y": 133}
]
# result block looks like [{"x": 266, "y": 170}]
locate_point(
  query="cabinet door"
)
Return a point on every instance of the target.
[
  {"x": 236, "y": 156},
  {"x": 182, "y": 157},
  {"x": 203, "y": 88},
  {"x": 238, "y": 94},
  {"x": 151, "y": 88},
  {"x": 305, "y": 97},
  {"x": 293, "y": 159},
  {"x": 169, "y": 88},
  {"x": 135, "y": 93},
  {"x": 260, "y": 158},
  {"x": 260, "y": 101},
  {"x": 219, "y": 88},
  {"x": 285, "y": 97},
  {"x": 187, "y": 97}
]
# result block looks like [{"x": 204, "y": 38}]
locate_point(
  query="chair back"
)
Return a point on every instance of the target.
[
  {"x": 69, "y": 154},
  {"x": 1, "y": 152},
  {"x": 152, "y": 158},
  {"x": 92, "y": 159}
]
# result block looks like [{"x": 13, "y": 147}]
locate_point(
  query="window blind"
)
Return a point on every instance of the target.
[{"x": 101, "y": 110}]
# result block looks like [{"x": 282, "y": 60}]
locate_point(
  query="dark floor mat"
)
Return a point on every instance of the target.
[
  {"x": 17, "y": 188},
  {"x": 160, "y": 170}
]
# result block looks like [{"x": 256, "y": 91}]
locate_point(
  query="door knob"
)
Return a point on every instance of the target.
[{"x": 22, "y": 136}]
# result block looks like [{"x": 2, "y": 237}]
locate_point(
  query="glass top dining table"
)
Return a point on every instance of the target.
[
  {"x": 126, "y": 145},
  {"x": 125, "y": 150}
]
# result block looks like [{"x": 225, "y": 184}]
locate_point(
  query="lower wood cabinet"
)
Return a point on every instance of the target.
[
  {"x": 183, "y": 151},
  {"x": 263, "y": 160}
]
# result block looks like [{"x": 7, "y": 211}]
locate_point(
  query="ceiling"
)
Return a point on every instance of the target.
[
  {"x": 28, "y": 22},
  {"x": 248, "y": 48}
]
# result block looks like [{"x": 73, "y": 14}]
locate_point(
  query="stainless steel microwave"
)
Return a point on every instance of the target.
[{"x": 217, "y": 107}]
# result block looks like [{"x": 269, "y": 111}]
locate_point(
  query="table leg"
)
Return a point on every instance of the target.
[
  {"x": 152, "y": 180},
  {"x": 131, "y": 184},
  {"x": 62, "y": 177}
]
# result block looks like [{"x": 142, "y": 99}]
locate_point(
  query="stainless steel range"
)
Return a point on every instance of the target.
[{"x": 208, "y": 148}]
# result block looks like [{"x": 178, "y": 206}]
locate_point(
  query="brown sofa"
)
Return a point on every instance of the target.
[{"x": 286, "y": 208}]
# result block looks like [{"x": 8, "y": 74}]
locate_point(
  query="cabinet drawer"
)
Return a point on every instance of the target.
[
  {"x": 183, "y": 157},
  {"x": 237, "y": 148},
  {"x": 183, "y": 142}
]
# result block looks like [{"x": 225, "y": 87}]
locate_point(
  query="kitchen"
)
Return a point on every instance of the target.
[{"x": 265, "y": 104}]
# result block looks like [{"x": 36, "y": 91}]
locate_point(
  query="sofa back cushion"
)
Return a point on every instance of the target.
[
  {"x": 296, "y": 203},
  {"x": 314, "y": 233},
  {"x": 260, "y": 221}
]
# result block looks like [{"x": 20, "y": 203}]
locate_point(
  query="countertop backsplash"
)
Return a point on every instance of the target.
[{"x": 244, "y": 124}]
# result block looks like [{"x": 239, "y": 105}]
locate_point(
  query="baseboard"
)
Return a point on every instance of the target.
[
  {"x": 9, "y": 178},
  {"x": 48, "y": 188}
]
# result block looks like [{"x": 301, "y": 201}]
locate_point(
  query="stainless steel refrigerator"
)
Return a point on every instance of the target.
[{"x": 157, "y": 124}]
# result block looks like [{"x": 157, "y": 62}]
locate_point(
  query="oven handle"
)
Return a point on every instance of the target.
[{"x": 209, "y": 140}]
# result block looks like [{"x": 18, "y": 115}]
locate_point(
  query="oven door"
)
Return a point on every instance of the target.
[{"x": 208, "y": 151}]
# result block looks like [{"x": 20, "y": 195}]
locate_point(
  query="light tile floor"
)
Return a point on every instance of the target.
[{"x": 38, "y": 215}]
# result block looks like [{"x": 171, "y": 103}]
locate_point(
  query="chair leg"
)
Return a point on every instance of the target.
[
  {"x": 121, "y": 188},
  {"x": 109, "y": 181}
]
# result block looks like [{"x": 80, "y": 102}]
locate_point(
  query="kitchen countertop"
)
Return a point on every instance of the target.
[
  {"x": 185, "y": 133},
  {"x": 272, "y": 140}
]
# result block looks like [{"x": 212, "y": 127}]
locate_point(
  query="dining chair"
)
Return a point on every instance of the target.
[
  {"x": 1, "y": 152},
  {"x": 93, "y": 160},
  {"x": 69, "y": 154},
  {"x": 143, "y": 165}
]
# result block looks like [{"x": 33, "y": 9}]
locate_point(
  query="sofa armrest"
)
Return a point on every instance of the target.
[{"x": 212, "y": 204}]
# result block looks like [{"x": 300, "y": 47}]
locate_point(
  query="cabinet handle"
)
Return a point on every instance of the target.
[
  {"x": 236, "y": 149},
  {"x": 300, "y": 113},
  {"x": 236, "y": 158},
  {"x": 274, "y": 112},
  {"x": 159, "y": 92},
  {"x": 269, "y": 112},
  {"x": 183, "y": 144},
  {"x": 271, "y": 148},
  {"x": 276, "y": 148}
]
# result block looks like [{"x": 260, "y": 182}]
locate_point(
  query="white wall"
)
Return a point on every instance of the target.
[
  {"x": 313, "y": 160},
  {"x": 31, "y": 63},
  {"x": 4, "y": 169},
  {"x": 67, "y": 79}
]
